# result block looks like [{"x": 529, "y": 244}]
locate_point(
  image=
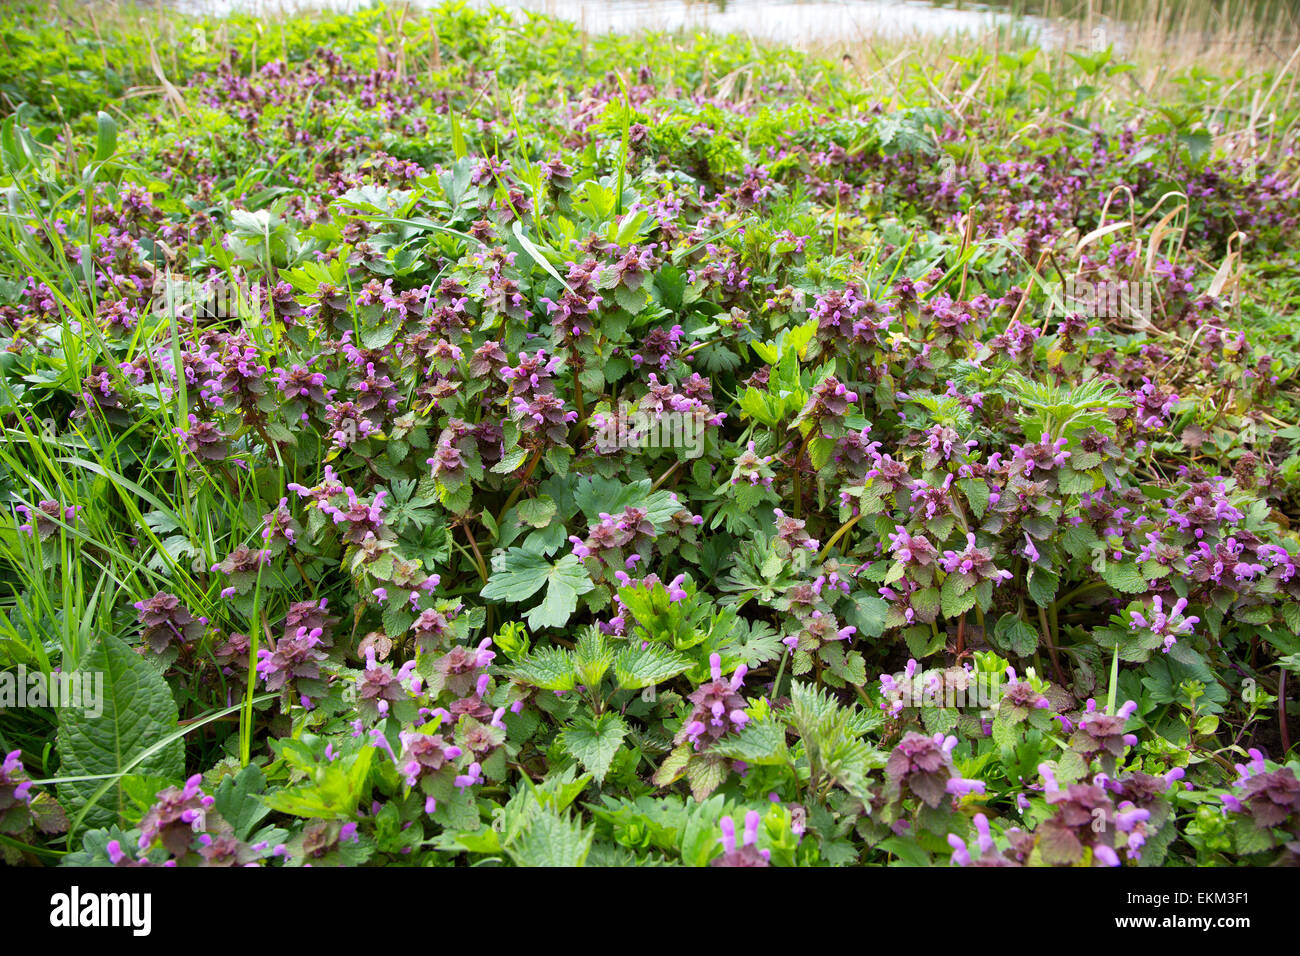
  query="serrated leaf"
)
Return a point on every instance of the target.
[
  {"x": 376, "y": 337},
  {"x": 976, "y": 491},
  {"x": 593, "y": 741},
  {"x": 548, "y": 668},
  {"x": 926, "y": 604},
  {"x": 1125, "y": 576},
  {"x": 868, "y": 614},
  {"x": 137, "y": 710},
  {"x": 592, "y": 658},
  {"x": 819, "y": 451},
  {"x": 1042, "y": 586},
  {"x": 761, "y": 743},
  {"x": 705, "y": 774},
  {"x": 551, "y": 840},
  {"x": 673, "y": 766},
  {"x": 1016, "y": 636},
  {"x": 510, "y": 462},
  {"x": 1073, "y": 482},
  {"x": 596, "y": 495},
  {"x": 237, "y": 799},
  {"x": 538, "y": 511},
  {"x": 1291, "y": 615},
  {"x": 957, "y": 596},
  {"x": 635, "y": 668},
  {"x": 1079, "y": 540}
]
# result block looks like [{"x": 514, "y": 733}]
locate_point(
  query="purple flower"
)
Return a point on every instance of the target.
[{"x": 748, "y": 853}]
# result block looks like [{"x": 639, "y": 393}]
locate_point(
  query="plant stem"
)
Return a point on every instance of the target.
[
  {"x": 514, "y": 494},
  {"x": 839, "y": 533},
  {"x": 666, "y": 475},
  {"x": 1281, "y": 712},
  {"x": 798, "y": 484},
  {"x": 1051, "y": 645},
  {"x": 478, "y": 556},
  {"x": 780, "y": 672}
]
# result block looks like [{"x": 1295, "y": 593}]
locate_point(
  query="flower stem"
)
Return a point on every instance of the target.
[
  {"x": 514, "y": 494},
  {"x": 1051, "y": 646},
  {"x": 840, "y": 532}
]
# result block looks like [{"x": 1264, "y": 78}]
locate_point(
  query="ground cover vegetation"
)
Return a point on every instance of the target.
[{"x": 310, "y": 329}]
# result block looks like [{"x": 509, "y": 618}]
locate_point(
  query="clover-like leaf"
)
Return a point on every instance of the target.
[{"x": 520, "y": 573}]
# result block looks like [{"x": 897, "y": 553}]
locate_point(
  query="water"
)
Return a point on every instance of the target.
[
  {"x": 789, "y": 21},
  {"x": 798, "y": 22}
]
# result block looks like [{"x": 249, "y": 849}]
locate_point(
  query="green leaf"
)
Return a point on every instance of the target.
[
  {"x": 538, "y": 511},
  {"x": 376, "y": 337},
  {"x": 1291, "y": 615},
  {"x": 1073, "y": 482},
  {"x": 106, "y": 137},
  {"x": 819, "y": 451},
  {"x": 976, "y": 491},
  {"x": 596, "y": 495},
  {"x": 551, "y": 840},
  {"x": 636, "y": 668},
  {"x": 458, "y": 147},
  {"x": 137, "y": 710},
  {"x": 754, "y": 643},
  {"x": 548, "y": 668},
  {"x": 1042, "y": 586},
  {"x": 593, "y": 741},
  {"x": 1015, "y": 635},
  {"x": 1079, "y": 540},
  {"x": 761, "y": 743},
  {"x": 592, "y": 658},
  {"x": 537, "y": 255},
  {"x": 957, "y": 596},
  {"x": 908, "y": 851},
  {"x": 237, "y": 799},
  {"x": 510, "y": 462},
  {"x": 1198, "y": 143},
  {"x": 1125, "y": 577},
  {"x": 520, "y": 573},
  {"x": 705, "y": 773},
  {"x": 868, "y": 614},
  {"x": 1260, "y": 614}
]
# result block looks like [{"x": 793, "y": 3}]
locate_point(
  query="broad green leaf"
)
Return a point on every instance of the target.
[
  {"x": 106, "y": 137},
  {"x": 237, "y": 799},
  {"x": 762, "y": 742},
  {"x": 1042, "y": 586},
  {"x": 868, "y": 614},
  {"x": 551, "y": 840},
  {"x": 636, "y": 668},
  {"x": 548, "y": 668},
  {"x": 593, "y": 741},
  {"x": 1125, "y": 577},
  {"x": 520, "y": 573},
  {"x": 538, "y": 511},
  {"x": 592, "y": 658},
  {"x": 137, "y": 710},
  {"x": 957, "y": 596},
  {"x": 976, "y": 491}
]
